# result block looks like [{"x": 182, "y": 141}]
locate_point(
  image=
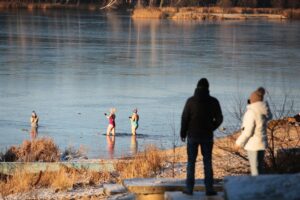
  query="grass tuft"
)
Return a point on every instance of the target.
[
  {"x": 145, "y": 164},
  {"x": 43, "y": 149},
  {"x": 149, "y": 13}
]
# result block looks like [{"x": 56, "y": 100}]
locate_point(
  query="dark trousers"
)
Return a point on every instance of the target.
[{"x": 192, "y": 151}]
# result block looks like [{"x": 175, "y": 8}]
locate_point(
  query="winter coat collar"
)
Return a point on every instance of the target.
[{"x": 259, "y": 107}]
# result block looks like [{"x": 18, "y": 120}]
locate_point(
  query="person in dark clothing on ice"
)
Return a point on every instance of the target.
[{"x": 201, "y": 116}]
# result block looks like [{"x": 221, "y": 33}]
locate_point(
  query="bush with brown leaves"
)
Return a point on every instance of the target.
[{"x": 43, "y": 149}]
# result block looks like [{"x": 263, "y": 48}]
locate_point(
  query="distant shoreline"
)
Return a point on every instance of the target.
[
  {"x": 4, "y": 5},
  {"x": 215, "y": 13},
  {"x": 174, "y": 13}
]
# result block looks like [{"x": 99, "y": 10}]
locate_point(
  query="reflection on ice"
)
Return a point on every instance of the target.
[{"x": 62, "y": 64}]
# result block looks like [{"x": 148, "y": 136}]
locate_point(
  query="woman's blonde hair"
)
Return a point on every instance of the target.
[{"x": 113, "y": 110}]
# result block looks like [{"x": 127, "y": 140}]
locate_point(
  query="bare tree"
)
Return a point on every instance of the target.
[{"x": 174, "y": 144}]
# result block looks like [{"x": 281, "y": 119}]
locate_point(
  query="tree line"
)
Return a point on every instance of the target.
[
  {"x": 173, "y": 3},
  {"x": 260, "y": 3},
  {"x": 206, "y": 3},
  {"x": 226, "y": 3}
]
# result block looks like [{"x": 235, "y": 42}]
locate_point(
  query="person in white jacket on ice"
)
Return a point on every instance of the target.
[{"x": 253, "y": 136}]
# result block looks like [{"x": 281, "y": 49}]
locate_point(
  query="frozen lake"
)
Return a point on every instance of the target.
[{"x": 72, "y": 66}]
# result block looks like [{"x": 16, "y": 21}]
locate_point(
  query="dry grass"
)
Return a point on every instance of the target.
[
  {"x": 215, "y": 10},
  {"x": 151, "y": 163},
  {"x": 195, "y": 16},
  {"x": 145, "y": 164},
  {"x": 281, "y": 137},
  {"x": 200, "y": 9},
  {"x": 283, "y": 153},
  {"x": 43, "y": 149},
  {"x": 170, "y": 9},
  {"x": 63, "y": 179},
  {"x": 197, "y": 13},
  {"x": 149, "y": 13},
  {"x": 20, "y": 182},
  {"x": 228, "y": 161}
]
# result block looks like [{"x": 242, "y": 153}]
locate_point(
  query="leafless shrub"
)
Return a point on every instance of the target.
[
  {"x": 174, "y": 145},
  {"x": 239, "y": 108},
  {"x": 282, "y": 137},
  {"x": 71, "y": 153},
  {"x": 282, "y": 154}
]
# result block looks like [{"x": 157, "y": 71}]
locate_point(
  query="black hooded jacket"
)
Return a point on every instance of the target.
[{"x": 201, "y": 116}]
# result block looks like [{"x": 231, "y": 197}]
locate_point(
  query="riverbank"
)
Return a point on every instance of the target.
[
  {"x": 153, "y": 162},
  {"x": 215, "y": 13},
  {"x": 175, "y": 13}
]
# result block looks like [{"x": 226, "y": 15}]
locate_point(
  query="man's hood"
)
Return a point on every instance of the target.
[{"x": 201, "y": 93}]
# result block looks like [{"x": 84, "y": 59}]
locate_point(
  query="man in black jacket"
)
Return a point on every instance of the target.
[{"x": 201, "y": 116}]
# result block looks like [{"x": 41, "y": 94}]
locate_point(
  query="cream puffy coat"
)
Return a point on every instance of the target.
[{"x": 254, "y": 127}]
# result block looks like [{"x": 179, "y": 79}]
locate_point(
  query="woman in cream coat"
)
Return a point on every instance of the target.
[{"x": 254, "y": 131}]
